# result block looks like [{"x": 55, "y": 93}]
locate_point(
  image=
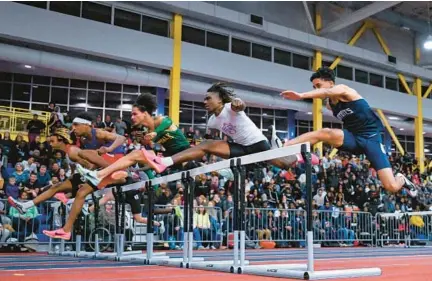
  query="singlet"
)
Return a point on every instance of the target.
[
  {"x": 236, "y": 125},
  {"x": 93, "y": 143},
  {"x": 357, "y": 117},
  {"x": 173, "y": 141}
]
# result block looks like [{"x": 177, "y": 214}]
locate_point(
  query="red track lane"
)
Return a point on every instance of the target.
[{"x": 394, "y": 269}]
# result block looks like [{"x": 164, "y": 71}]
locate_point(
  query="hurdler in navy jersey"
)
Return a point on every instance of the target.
[
  {"x": 362, "y": 128},
  {"x": 94, "y": 143},
  {"x": 97, "y": 142}
]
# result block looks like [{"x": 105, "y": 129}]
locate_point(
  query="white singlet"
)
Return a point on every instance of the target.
[{"x": 236, "y": 125}]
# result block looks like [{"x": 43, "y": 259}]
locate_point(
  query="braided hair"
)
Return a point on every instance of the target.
[{"x": 226, "y": 95}]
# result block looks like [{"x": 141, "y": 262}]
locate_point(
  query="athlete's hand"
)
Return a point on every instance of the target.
[
  {"x": 150, "y": 136},
  {"x": 291, "y": 95},
  {"x": 237, "y": 105},
  {"x": 103, "y": 150}
]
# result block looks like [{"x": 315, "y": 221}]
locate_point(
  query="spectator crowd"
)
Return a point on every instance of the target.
[{"x": 275, "y": 198}]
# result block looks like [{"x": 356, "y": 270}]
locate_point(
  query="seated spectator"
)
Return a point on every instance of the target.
[
  {"x": 43, "y": 176},
  {"x": 20, "y": 175},
  {"x": 60, "y": 160},
  {"x": 12, "y": 189},
  {"x": 29, "y": 165},
  {"x": 55, "y": 170},
  {"x": 62, "y": 175},
  {"x": 32, "y": 186}
]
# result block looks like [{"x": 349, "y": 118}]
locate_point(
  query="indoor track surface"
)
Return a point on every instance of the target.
[{"x": 397, "y": 264}]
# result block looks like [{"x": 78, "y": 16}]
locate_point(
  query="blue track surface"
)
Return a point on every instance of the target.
[
  {"x": 27, "y": 262},
  {"x": 40, "y": 261},
  {"x": 319, "y": 253}
]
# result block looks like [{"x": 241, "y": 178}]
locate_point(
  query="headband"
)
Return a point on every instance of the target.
[{"x": 81, "y": 121}]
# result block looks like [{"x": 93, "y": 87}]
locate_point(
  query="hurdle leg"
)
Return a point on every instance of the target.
[{"x": 149, "y": 234}]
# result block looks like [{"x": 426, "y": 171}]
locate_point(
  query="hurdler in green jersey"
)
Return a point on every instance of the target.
[{"x": 160, "y": 130}]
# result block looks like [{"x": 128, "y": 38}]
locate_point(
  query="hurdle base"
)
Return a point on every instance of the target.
[
  {"x": 113, "y": 256},
  {"x": 252, "y": 269},
  {"x": 222, "y": 266},
  {"x": 319, "y": 275},
  {"x": 342, "y": 273},
  {"x": 141, "y": 258},
  {"x": 172, "y": 262}
]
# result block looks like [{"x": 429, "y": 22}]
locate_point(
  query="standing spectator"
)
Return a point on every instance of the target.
[
  {"x": 197, "y": 139},
  {"x": 120, "y": 126},
  {"x": 99, "y": 124},
  {"x": 190, "y": 135},
  {"x": 7, "y": 144},
  {"x": 34, "y": 128},
  {"x": 109, "y": 124},
  {"x": 27, "y": 223}
]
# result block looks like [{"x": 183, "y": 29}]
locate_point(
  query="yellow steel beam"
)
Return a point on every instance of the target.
[
  {"x": 419, "y": 126},
  {"x": 428, "y": 91},
  {"x": 388, "y": 53},
  {"x": 174, "y": 96},
  {"x": 417, "y": 55},
  {"x": 391, "y": 132},
  {"x": 317, "y": 103},
  {"x": 381, "y": 41},
  {"x": 352, "y": 41},
  {"x": 404, "y": 83},
  {"x": 333, "y": 153},
  {"x": 416, "y": 142}
]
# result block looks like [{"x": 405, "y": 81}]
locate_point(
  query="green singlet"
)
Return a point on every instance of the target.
[{"x": 173, "y": 141}]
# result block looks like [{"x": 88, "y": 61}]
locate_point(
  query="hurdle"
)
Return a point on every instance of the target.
[
  {"x": 239, "y": 264},
  {"x": 305, "y": 271},
  {"x": 236, "y": 165}
]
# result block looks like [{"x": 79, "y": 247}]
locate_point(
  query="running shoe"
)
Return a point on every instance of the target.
[
  {"x": 59, "y": 233},
  {"x": 155, "y": 162},
  {"x": 17, "y": 205},
  {"x": 275, "y": 141},
  {"x": 88, "y": 175},
  {"x": 409, "y": 185},
  {"x": 61, "y": 197}
]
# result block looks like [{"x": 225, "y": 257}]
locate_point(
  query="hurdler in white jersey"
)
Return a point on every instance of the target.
[
  {"x": 237, "y": 125},
  {"x": 228, "y": 117}
]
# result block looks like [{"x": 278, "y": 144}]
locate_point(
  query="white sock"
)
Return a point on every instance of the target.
[
  {"x": 28, "y": 204},
  {"x": 167, "y": 161}
]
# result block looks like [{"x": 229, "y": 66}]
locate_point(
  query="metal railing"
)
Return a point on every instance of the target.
[
  {"x": 409, "y": 229},
  {"x": 212, "y": 227},
  {"x": 15, "y": 120}
]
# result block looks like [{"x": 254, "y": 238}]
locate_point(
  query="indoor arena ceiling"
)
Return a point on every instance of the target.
[{"x": 416, "y": 10}]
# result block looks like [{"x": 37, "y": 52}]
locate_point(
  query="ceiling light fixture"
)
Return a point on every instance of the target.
[{"x": 27, "y": 66}]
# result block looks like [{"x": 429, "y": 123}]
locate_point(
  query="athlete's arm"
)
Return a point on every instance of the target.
[
  {"x": 165, "y": 124},
  {"x": 339, "y": 92},
  {"x": 110, "y": 137},
  {"x": 74, "y": 156},
  {"x": 238, "y": 105}
]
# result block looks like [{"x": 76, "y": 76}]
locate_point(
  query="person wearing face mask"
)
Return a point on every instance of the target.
[{"x": 362, "y": 128}]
